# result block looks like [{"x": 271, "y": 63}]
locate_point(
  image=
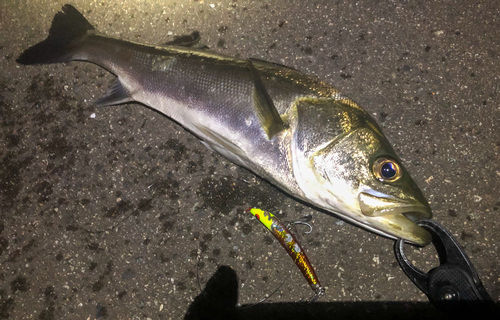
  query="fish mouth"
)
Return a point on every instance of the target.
[{"x": 395, "y": 217}]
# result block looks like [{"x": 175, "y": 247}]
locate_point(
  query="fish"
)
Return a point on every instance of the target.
[
  {"x": 292, "y": 247},
  {"x": 294, "y": 130}
]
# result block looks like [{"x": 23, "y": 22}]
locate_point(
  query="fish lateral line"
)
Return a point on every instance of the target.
[{"x": 292, "y": 247}]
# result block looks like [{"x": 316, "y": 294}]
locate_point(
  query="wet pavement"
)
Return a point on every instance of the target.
[{"x": 104, "y": 210}]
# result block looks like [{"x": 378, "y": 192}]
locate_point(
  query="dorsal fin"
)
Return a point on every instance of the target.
[
  {"x": 188, "y": 40},
  {"x": 267, "y": 114},
  {"x": 271, "y": 63}
]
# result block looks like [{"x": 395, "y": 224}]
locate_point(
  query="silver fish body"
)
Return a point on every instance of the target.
[{"x": 294, "y": 130}]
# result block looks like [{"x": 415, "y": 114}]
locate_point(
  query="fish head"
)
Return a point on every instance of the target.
[{"x": 344, "y": 164}]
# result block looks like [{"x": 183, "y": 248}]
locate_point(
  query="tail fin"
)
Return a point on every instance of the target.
[{"x": 67, "y": 26}]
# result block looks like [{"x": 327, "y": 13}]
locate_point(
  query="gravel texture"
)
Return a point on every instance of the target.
[{"x": 104, "y": 210}]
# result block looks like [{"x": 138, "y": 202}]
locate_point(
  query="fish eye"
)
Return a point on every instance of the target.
[{"x": 387, "y": 170}]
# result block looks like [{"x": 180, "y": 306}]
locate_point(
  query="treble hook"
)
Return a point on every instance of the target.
[
  {"x": 300, "y": 222},
  {"x": 318, "y": 293}
]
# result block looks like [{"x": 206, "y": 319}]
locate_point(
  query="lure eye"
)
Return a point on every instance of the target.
[{"x": 387, "y": 170}]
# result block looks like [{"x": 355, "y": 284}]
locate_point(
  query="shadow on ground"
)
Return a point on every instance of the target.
[{"x": 220, "y": 297}]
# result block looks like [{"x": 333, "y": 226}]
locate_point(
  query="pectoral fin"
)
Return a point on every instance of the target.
[{"x": 266, "y": 111}]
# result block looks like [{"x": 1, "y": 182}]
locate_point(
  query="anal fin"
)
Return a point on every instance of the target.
[{"x": 116, "y": 94}]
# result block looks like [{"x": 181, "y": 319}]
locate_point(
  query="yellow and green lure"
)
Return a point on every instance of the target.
[{"x": 292, "y": 247}]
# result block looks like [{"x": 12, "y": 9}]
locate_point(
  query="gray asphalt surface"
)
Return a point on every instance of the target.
[{"x": 103, "y": 211}]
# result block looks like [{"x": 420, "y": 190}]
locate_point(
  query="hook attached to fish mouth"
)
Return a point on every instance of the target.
[{"x": 396, "y": 217}]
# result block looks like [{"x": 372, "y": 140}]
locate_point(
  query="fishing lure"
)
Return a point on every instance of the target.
[{"x": 292, "y": 247}]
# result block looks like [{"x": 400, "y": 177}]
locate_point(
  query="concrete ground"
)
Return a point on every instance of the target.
[{"x": 103, "y": 211}]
